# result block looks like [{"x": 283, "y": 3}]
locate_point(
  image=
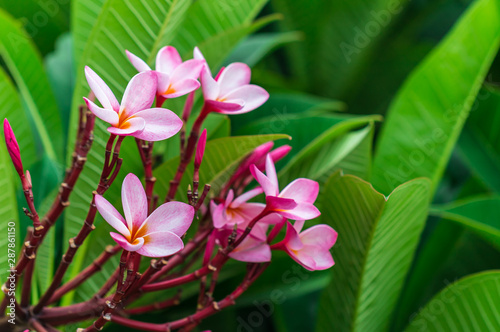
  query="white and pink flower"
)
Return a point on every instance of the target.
[
  {"x": 134, "y": 116},
  {"x": 158, "y": 235}
]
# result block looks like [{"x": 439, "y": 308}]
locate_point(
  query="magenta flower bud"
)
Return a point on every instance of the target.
[
  {"x": 200, "y": 149},
  {"x": 280, "y": 153},
  {"x": 13, "y": 147}
]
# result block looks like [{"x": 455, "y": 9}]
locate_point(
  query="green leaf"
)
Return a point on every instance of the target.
[
  {"x": 324, "y": 154},
  {"x": 256, "y": 47},
  {"x": 478, "y": 143},
  {"x": 12, "y": 109},
  {"x": 377, "y": 240},
  {"x": 25, "y": 65},
  {"x": 470, "y": 304},
  {"x": 279, "y": 108},
  {"x": 479, "y": 214},
  {"x": 340, "y": 37},
  {"x": 8, "y": 211},
  {"x": 43, "y": 20},
  {"x": 84, "y": 15},
  {"x": 428, "y": 113}
]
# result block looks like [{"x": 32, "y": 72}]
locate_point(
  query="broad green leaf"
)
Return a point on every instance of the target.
[
  {"x": 60, "y": 66},
  {"x": 25, "y": 65},
  {"x": 256, "y": 47},
  {"x": 479, "y": 214},
  {"x": 470, "y": 304},
  {"x": 8, "y": 212},
  {"x": 84, "y": 15},
  {"x": 280, "y": 106},
  {"x": 11, "y": 108},
  {"x": 339, "y": 38},
  {"x": 478, "y": 142},
  {"x": 323, "y": 155},
  {"x": 43, "y": 20},
  {"x": 377, "y": 240},
  {"x": 428, "y": 113}
]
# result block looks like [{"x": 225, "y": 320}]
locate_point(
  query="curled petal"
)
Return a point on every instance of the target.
[
  {"x": 302, "y": 191},
  {"x": 105, "y": 114},
  {"x": 101, "y": 90},
  {"x": 226, "y": 107},
  {"x": 137, "y": 62},
  {"x": 139, "y": 94},
  {"x": 188, "y": 69},
  {"x": 131, "y": 127},
  {"x": 280, "y": 204},
  {"x": 322, "y": 236},
  {"x": 135, "y": 204},
  {"x": 303, "y": 211},
  {"x": 123, "y": 242},
  {"x": 180, "y": 88},
  {"x": 160, "y": 244},
  {"x": 167, "y": 60},
  {"x": 269, "y": 188},
  {"x": 235, "y": 75},
  {"x": 271, "y": 171},
  {"x": 313, "y": 258},
  {"x": 253, "y": 95},
  {"x": 246, "y": 196},
  {"x": 209, "y": 86},
  {"x": 175, "y": 217},
  {"x": 111, "y": 215},
  {"x": 160, "y": 124}
]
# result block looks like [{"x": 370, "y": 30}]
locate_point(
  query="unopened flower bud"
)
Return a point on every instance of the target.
[{"x": 13, "y": 147}]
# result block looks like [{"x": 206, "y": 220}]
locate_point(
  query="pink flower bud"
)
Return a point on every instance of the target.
[
  {"x": 13, "y": 147},
  {"x": 200, "y": 149}
]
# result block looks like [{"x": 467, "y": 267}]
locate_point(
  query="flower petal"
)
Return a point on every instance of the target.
[
  {"x": 322, "y": 236},
  {"x": 218, "y": 218},
  {"x": 303, "y": 211},
  {"x": 180, "y": 88},
  {"x": 301, "y": 190},
  {"x": 101, "y": 90},
  {"x": 139, "y": 94},
  {"x": 209, "y": 86},
  {"x": 160, "y": 244},
  {"x": 269, "y": 188},
  {"x": 137, "y": 62},
  {"x": 160, "y": 124},
  {"x": 135, "y": 204},
  {"x": 314, "y": 258},
  {"x": 188, "y": 69},
  {"x": 280, "y": 204},
  {"x": 253, "y": 95},
  {"x": 105, "y": 114},
  {"x": 111, "y": 215},
  {"x": 130, "y": 127},
  {"x": 123, "y": 242},
  {"x": 271, "y": 171},
  {"x": 292, "y": 238},
  {"x": 175, "y": 217},
  {"x": 252, "y": 250},
  {"x": 167, "y": 59},
  {"x": 225, "y": 107},
  {"x": 246, "y": 196},
  {"x": 235, "y": 75}
]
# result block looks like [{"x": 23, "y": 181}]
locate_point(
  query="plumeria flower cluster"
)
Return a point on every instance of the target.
[{"x": 241, "y": 221}]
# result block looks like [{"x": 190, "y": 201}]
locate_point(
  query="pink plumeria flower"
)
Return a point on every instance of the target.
[
  {"x": 238, "y": 211},
  {"x": 295, "y": 201},
  {"x": 158, "y": 235},
  {"x": 253, "y": 249},
  {"x": 13, "y": 147},
  {"x": 175, "y": 78},
  {"x": 230, "y": 92},
  {"x": 133, "y": 117},
  {"x": 310, "y": 248}
]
